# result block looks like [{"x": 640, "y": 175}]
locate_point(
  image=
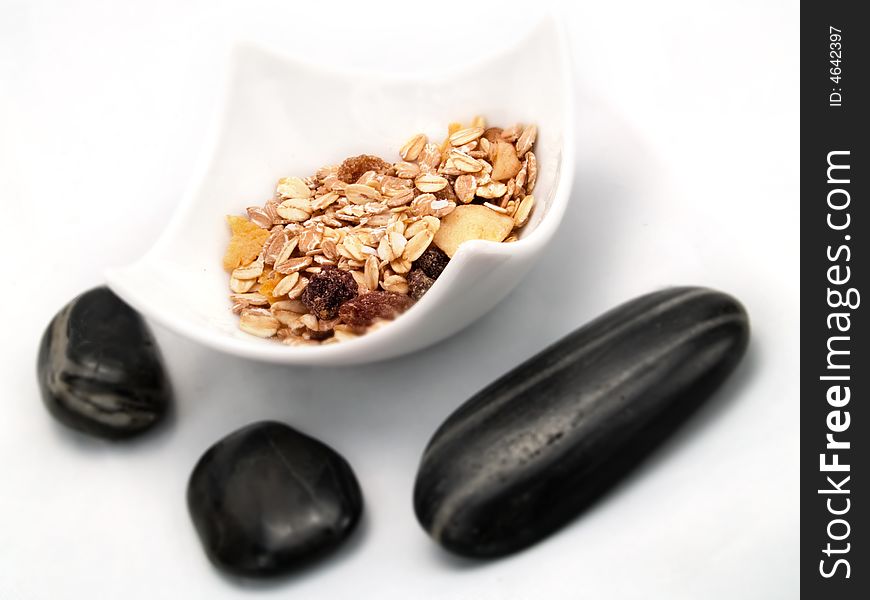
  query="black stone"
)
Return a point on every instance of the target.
[
  {"x": 267, "y": 499},
  {"x": 535, "y": 448},
  {"x": 100, "y": 370}
]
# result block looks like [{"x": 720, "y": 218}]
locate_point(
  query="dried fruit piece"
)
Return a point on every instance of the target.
[
  {"x": 327, "y": 290},
  {"x": 352, "y": 168},
  {"x": 364, "y": 310},
  {"x": 471, "y": 222},
  {"x": 432, "y": 262},
  {"x": 505, "y": 164},
  {"x": 245, "y": 244},
  {"x": 419, "y": 283}
]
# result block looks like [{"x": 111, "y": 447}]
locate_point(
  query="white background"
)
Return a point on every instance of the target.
[{"x": 687, "y": 164}]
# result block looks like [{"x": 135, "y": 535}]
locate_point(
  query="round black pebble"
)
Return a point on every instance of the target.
[
  {"x": 268, "y": 499},
  {"x": 99, "y": 369}
]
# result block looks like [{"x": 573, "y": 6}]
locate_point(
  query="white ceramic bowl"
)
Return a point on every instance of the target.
[{"x": 282, "y": 117}]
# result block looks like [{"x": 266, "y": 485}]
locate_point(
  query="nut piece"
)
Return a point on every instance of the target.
[
  {"x": 471, "y": 222},
  {"x": 506, "y": 164}
]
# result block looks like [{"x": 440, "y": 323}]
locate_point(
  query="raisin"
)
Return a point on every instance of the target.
[
  {"x": 364, "y": 310},
  {"x": 268, "y": 280},
  {"x": 432, "y": 262},
  {"x": 418, "y": 283},
  {"x": 327, "y": 290},
  {"x": 352, "y": 168}
]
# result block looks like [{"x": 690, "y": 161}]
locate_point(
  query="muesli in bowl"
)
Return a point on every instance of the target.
[{"x": 336, "y": 254}]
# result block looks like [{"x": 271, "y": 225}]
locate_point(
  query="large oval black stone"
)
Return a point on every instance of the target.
[
  {"x": 532, "y": 450},
  {"x": 99, "y": 369},
  {"x": 267, "y": 499}
]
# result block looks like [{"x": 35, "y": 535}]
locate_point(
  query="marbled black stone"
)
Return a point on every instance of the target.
[
  {"x": 532, "y": 450},
  {"x": 100, "y": 370},
  {"x": 267, "y": 499}
]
